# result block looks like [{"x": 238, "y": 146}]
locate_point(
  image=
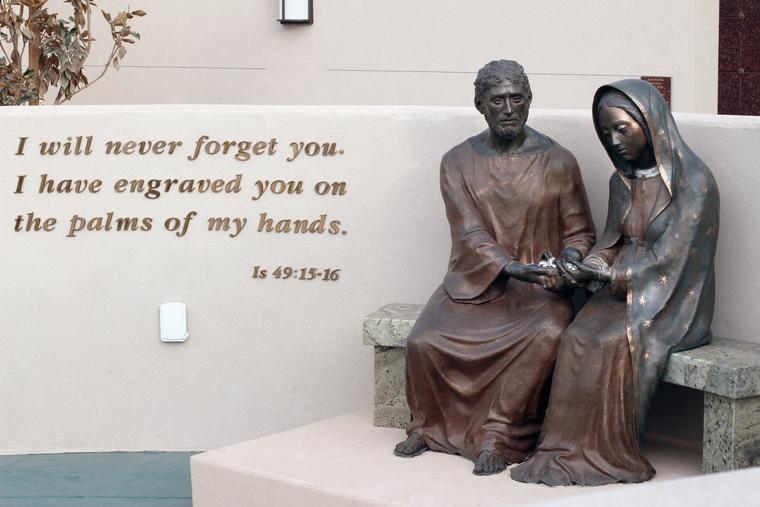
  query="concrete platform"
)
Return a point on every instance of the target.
[{"x": 345, "y": 461}]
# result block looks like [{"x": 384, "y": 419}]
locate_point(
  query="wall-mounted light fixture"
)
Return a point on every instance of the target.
[{"x": 296, "y": 11}]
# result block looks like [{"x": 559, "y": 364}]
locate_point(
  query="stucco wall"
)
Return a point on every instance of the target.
[
  {"x": 82, "y": 367},
  {"x": 400, "y": 52}
]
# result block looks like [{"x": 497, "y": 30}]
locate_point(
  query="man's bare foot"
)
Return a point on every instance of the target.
[
  {"x": 412, "y": 446},
  {"x": 489, "y": 463}
]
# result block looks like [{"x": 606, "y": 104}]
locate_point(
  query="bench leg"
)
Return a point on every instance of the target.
[
  {"x": 731, "y": 434},
  {"x": 391, "y": 410}
]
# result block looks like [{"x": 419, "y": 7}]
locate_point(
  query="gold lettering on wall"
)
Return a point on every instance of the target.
[{"x": 206, "y": 153}]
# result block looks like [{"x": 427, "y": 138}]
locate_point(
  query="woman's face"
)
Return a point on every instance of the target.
[{"x": 623, "y": 135}]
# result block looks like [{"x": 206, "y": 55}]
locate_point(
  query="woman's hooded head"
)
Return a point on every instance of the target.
[{"x": 648, "y": 108}]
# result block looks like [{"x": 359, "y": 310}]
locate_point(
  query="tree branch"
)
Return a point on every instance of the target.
[
  {"x": 102, "y": 73},
  {"x": 89, "y": 27},
  {"x": 14, "y": 33},
  {"x": 23, "y": 39},
  {"x": 3, "y": 7}
]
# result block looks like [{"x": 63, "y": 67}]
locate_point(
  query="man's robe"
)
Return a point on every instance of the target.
[{"x": 480, "y": 357}]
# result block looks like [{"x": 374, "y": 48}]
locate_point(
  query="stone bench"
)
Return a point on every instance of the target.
[{"x": 727, "y": 371}]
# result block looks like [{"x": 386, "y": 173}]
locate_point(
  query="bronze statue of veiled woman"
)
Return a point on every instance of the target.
[{"x": 652, "y": 271}]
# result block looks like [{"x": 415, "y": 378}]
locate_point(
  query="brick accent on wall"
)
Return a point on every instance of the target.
[{"x": 739, "y": 57}]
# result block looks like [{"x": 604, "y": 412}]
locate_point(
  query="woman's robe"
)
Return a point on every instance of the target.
[{"x": 480, "y": 356}]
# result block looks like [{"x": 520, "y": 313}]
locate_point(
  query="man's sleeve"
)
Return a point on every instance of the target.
[
  {"x": 577, "y": 227},
  {"x": 476, "y": 258}
]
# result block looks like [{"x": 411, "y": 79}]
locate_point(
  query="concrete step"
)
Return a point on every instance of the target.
[{"x": 345, "y": 461}]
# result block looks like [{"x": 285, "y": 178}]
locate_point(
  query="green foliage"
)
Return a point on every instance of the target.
[{"x": 56, "y": 49}]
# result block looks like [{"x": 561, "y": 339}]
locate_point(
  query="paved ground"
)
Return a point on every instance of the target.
[{"x": 114, "y": 479}]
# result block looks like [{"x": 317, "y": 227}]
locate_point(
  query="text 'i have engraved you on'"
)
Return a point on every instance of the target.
[{"x": 252, "y": 192}]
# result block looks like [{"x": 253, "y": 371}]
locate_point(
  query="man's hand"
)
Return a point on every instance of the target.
[
  {"x": 531, "y": 273},
  {"x": 559, "y": 284}
]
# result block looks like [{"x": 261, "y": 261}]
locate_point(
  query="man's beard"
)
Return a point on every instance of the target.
[{"x": 507, "y": 133}]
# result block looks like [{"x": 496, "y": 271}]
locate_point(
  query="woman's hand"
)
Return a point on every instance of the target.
[
  {"x": 583, "y": 273},
  {"x": 565, "y": 268}
]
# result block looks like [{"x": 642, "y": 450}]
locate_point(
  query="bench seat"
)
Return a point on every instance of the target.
[{"x": 726, "y": 371}]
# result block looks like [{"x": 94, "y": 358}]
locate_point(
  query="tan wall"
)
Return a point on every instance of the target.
[
  {"x": 409, "y": 52},
  {"x": 82, "y": 368}
]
